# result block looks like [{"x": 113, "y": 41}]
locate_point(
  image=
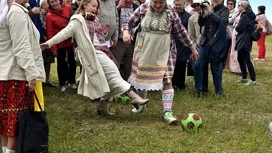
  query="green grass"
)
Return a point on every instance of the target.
[{"x": 234, "y": 123}]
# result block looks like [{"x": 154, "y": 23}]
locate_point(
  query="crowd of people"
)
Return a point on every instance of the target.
[{"x": 124, "y": 47}]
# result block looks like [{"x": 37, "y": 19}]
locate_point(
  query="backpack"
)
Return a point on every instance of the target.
[
  {"x": 256, "y": 33},
  {"x": 268, "y": 27}
]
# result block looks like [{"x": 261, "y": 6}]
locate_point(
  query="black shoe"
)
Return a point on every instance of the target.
[
  {"x": 197, "y": 93},
  {"x": 179, "y": 89},
  {"x": 205, "y": 93},
  {"x": 220, "y": 94},
  {"x": 48, "y": 84}
]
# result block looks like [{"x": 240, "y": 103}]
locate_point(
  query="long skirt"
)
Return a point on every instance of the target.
[
  {"x": 14, "y": 97},
  {"x": 116, "y": 83},
  {"x": 233, "y": 61}
]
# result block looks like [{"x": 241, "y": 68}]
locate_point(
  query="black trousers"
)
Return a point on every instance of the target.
[
  {"x": 66, "y": 66},
  {"x": 245, "y": 63},
  {"x": 205, "y": 80},
  {"x": 178, "y": 79}
]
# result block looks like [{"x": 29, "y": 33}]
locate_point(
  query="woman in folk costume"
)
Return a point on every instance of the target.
[
  {"x": 100, "y": 77},
  {"x": 21, "y": 65},
  {"x": 155, "y": 51}
]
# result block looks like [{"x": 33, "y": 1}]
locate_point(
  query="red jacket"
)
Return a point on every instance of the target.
[{"x": 55, "y": 22}]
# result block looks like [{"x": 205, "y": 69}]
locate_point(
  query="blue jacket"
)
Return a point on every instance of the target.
[{"x": 37, "y": 19}]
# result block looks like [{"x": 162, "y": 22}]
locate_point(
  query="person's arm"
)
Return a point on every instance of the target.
[
  {"x": 132, "y": 22},
  {"x": 233, "y": 17},
  {"x": 191, "y": 29},
  {"x": 114, "y": 37},
  {"x": 179, "y": 29},
  {"x": 243, "y": 23},
  {"x": 50, "y": 31},
  {"x": 120, "y": 5},
  {"x": 22, "y": 51},
  {"x": 64, "y": 34},
  {"x": 224, "y": 16},
  {"x": 32, "y": 11},
  {"x": 134, "y": 19}
]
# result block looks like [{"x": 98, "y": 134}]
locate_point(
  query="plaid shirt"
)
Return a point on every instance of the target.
[
  {"x": 177, "y": 29},
  {"x": 124, "y": 15}
]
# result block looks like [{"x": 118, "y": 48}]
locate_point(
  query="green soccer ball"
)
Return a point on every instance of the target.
[{"x": 191, "y": 122}]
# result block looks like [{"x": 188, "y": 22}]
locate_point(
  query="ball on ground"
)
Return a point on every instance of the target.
[
  {"x": 269, "y": 128},
  {"x": 191, "y": 122}
]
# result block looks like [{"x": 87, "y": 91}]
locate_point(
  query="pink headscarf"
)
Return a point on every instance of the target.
[{"x": 3, "y": 9}]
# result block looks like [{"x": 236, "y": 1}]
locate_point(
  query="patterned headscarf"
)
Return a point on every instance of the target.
[{"x": 3, "y": 9}]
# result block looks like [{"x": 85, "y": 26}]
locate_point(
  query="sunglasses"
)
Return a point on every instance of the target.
[
  {"x": 195, "y": 5},
  {"x": 230, "y": 3}
]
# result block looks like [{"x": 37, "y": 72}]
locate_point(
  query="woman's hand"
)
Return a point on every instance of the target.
[
  {"x": 36, "y": 10},
  {"x": 89, "y": 16},
  {"x": 44, "y": 46},
  {"x": 127, "y": 38},
  {"x": 106, "y": 28},
  {"x": 194, "y": 52},
  {"x": 121, "y": 4},
  {"x": 31, "y": 85},
  {"x": 259, "y": 25}
]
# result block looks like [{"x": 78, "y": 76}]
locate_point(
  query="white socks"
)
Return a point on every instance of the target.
[{"x": 9, "y": 151}]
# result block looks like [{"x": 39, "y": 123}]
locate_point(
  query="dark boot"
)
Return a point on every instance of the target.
[{"x": 102, "y": 109}]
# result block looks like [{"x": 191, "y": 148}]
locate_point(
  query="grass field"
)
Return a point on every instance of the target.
[{"x": 235, "y": 123}]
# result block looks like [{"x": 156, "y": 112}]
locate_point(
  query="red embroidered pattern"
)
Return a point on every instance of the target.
[{"x": 14, "y": 98}]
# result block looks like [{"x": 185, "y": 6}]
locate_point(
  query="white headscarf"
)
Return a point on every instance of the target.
[{"x": 3, "y": 9}]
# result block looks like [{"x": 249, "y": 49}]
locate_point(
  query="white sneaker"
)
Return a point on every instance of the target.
[
  {"x": 141, "y": 109},
  {"x": 255, "y": 59},
  {"x": 168, "y": 117},
  {"x": 259, "y": 59},
  {"x": 242, "y": 80},
  {"x": 62, "y": 88},
  {"x": 251, "y": 83},
  {"x": 73, "y": 86}
]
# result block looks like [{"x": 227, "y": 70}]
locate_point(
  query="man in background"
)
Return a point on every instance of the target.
[
  {"x": 109, "y": 15},
  {"x": 123, "y": 52},
  {"x": 183, "y": 52}
]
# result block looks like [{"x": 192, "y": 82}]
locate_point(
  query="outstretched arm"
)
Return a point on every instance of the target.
[{"x": 64, "y": 34}]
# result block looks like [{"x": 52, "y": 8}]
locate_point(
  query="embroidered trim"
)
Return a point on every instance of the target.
[
  {"x": 145, "y": 86},
  {"x": 13, "y": 109}
]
